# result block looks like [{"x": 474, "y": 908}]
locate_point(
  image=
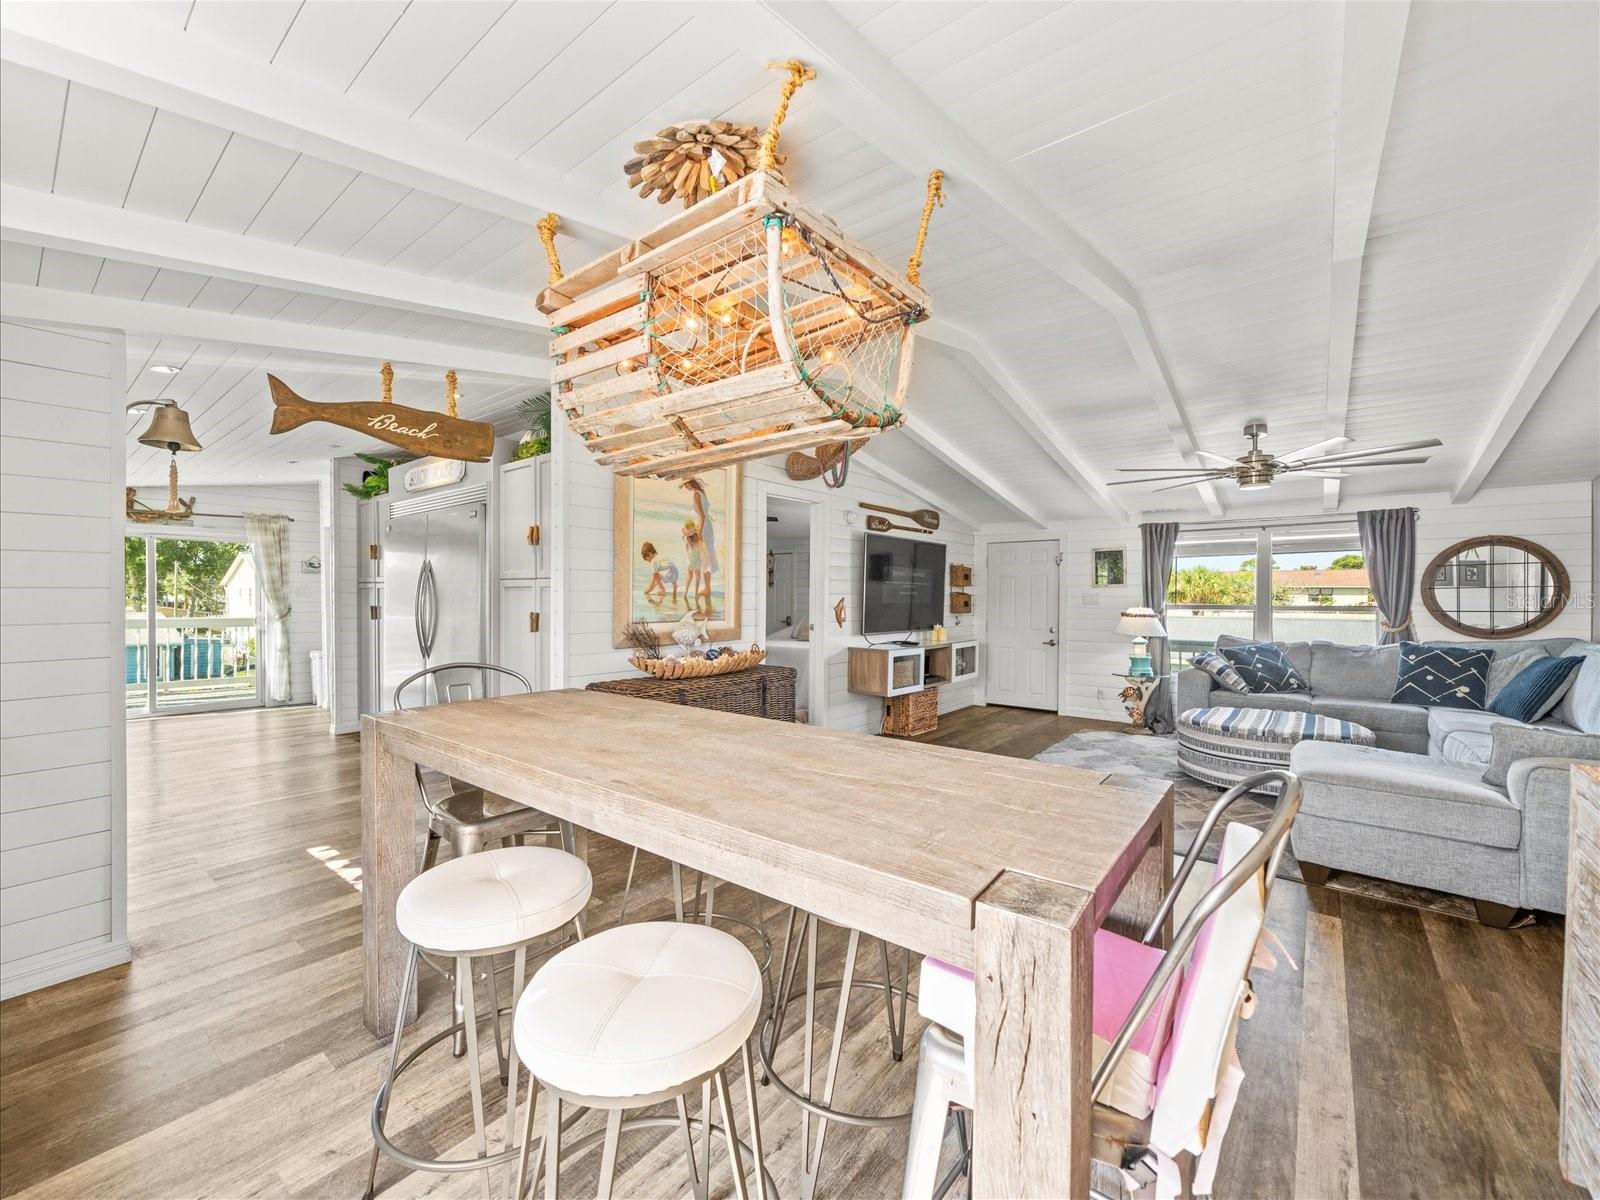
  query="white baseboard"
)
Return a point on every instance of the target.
[{"x": 56, "y": 966}]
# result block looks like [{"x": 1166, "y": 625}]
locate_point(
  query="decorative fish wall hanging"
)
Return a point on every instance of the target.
[{"x": 441, "y": 435}]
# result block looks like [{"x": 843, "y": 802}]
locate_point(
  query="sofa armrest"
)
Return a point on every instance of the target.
[
  {"x": 1542, "y": 789},
  {"x": 1191, "y": 688}
]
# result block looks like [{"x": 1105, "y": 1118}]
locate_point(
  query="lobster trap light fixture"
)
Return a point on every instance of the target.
[{"x": 748, "y": 326}]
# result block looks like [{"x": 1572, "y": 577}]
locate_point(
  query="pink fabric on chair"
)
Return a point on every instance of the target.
[{"x": 1122, "y": 966}]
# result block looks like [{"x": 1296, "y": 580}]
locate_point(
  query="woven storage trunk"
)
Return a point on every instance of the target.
[
  {"x": 747, "y": 326},
  {"x": 912, "y": 714},
  {"x": 755, "y": 692}
]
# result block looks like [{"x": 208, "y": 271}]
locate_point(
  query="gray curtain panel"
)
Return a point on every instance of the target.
[
  {"x": 1389, "y": 543},
  {"x": 1159, "y": 540}
]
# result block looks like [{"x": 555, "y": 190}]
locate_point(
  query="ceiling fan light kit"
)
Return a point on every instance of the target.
[{"x": 1258, "y": 469}]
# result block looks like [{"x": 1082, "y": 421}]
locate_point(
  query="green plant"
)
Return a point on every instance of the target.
[
  {"x": 536, "y": 411},
  {"x": 531, "y": 448},
  {"x": 375, "y": 482}
]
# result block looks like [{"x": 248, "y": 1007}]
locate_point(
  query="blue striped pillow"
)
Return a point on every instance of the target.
[{"x": 1536, "y": 689}]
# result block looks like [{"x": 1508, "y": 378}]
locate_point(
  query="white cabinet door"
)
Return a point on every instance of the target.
[
  {"x": 1020, "y": 629},
  {"x": 525, "y": 630},
  {"x": 524, "y": 493},
  {"x": 370, "y": 519}
]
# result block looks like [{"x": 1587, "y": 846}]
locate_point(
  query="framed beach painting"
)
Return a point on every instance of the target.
[{"x": 675, "y": 551}]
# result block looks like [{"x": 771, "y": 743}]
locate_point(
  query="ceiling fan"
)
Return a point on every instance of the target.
[{"x": 1258, "y": 468}]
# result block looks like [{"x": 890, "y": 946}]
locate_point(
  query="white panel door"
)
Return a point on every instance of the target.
[{"x": 1020, "y": 627}]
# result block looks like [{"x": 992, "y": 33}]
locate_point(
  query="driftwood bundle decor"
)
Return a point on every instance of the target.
[
  {"x": 747, "y": 326},
  {"x": 692, "y": 160},
  {"x": 699, "y": 668},
  {"x": 638, "y": 637}
]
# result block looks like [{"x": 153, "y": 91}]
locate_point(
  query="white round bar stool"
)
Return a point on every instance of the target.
[
  {"x": 492, "y": 902},
  {"x": 635, "y": 1016}
]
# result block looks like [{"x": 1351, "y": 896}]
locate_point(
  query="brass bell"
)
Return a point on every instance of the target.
[{"x": 169, "y": 430}]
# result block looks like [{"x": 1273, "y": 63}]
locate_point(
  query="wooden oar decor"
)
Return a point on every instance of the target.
[
  {"x": 926, "y": 517},
  {"x": 441, "y": 435},
  {"x": 883, "y": 525}
]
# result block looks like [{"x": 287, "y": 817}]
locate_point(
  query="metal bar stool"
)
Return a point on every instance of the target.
[
  {"x": 816, "y": 1112},
  {"x": 469, "y": 818},
  {"x": 635, "y": 1016},
  {"x": 472, "y": 908}
]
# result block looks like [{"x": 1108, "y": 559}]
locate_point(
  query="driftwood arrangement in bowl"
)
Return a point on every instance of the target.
[{"x": 725, "y": 663}]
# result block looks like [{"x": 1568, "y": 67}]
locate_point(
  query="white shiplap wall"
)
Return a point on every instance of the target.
[
  {"x": 63, "y": 840},
  {"x": 340, "y": 596},
  {"x": 583, "y": 548},
  {"x": 1559, "y": 517},
  {"x": 299, "y": 501}
]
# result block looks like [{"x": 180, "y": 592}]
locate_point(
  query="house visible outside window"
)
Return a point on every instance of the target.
[{"x": 1315, "y": 590}]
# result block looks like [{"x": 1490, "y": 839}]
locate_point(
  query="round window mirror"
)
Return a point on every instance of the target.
[{"x": 1495, "y": 587}]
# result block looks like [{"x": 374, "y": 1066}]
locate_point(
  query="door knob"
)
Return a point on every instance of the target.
[{"x": 1051, "y": 642}]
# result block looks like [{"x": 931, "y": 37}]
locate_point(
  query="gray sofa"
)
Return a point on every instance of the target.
[{"x": 1416, "y": 808}]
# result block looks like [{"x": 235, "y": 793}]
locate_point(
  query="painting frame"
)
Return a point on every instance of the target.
[
  {"x": 725, "y": 487},
  {"x": 1115, "y": 561}
]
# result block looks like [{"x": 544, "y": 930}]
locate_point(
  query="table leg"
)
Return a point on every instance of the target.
[
  {"x": 388, "y": 863},
  {"x": 1033, "y": 1051},
  {"x": 1147, "y": 885}
]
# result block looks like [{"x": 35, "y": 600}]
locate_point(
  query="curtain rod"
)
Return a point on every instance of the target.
[{"x": 1280, "y": 522}]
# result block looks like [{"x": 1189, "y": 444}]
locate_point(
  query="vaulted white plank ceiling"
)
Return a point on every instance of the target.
[{"x": 1164, "y": 219}]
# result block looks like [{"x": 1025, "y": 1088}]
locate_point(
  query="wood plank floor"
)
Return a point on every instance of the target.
[{"x": 1413, "y": 1055}]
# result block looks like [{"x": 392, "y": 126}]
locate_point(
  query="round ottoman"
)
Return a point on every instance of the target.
[{"x": 1222, "y": 745}]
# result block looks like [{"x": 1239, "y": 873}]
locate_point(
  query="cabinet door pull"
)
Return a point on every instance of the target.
[
  {"x": 533, "y": 622},
  {"x": 372, "y": 611},
  {"x": 372, "y": 551},
  {"x": 533, "y": 535}
]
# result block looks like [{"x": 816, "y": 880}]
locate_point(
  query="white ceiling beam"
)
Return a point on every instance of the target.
[
  {"x": 1011, "y": 395},
  {"x": 1580, "y": 297},
  {"x": 1373, "y": 37},
  {"x": 167, "y": 320},
  {"x": 865, "y": 90},
  {"x": 61, "y": 223},
  {"x": 942, "y": 447},
  {"x": 116, "y": 49},
  {"x": 869, "y": 461}
]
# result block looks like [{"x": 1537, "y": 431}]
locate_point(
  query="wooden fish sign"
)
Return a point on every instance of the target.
[{"x": 414, "y": 429}]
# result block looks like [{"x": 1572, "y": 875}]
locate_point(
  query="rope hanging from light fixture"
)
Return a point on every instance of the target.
[
  {"x": 547, "y": 227},
  {"x": 935, "y": 196},
  {"x": 799, "y": 76}
]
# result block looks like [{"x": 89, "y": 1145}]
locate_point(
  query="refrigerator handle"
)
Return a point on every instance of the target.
[
  {"x": 433, "y": 609},
  {"x": 417, "y": 609}
]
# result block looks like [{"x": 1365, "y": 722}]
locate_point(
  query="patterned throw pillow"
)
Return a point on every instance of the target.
[
  {"x": 1442, "y": 676},
  {"x": 1537, "y": 689},
  {"x": 1221, "y": 670},
  {"x": 1264, "y": 667}
]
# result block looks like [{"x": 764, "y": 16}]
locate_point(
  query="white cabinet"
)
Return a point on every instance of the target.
[
  {"x": 524, "y": 499},
  {"x": 525, "y": 629}
]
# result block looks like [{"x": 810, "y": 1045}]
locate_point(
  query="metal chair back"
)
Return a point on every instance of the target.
[
  {"x": 1266, "y": 853},
  {"x": 455, "y": 691}
]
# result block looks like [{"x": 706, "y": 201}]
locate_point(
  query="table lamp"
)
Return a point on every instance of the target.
[{"x": 1141, "y": 624}]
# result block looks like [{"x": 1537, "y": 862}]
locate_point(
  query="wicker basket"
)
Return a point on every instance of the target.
[
  {"x": 912, "y": 714},
  {"x": 755, "y": 692},
  {"x": 699, "y": 668}
]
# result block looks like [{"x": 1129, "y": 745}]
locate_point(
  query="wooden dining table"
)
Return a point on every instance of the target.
[{"x": 1004, "y": 866}]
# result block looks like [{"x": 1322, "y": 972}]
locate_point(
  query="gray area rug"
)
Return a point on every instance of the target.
[{"x": 1157, "y": 757}]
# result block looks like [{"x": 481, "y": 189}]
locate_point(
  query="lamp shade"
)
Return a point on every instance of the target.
[
  {"x": 169, "y": 430},
  {"x": 1141, "y": 622}
]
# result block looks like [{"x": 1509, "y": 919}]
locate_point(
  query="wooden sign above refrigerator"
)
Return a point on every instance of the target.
[{"x": 438, "y": 435}]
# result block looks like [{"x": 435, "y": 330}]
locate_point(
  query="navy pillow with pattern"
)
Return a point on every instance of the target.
[
  {"x": 1265, "y": 667},
  {"x": 1221, "y": 670},
  {"x": 1440, "y": 676}
]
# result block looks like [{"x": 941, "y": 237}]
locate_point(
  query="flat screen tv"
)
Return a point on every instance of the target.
[{"x": 902, "y": 584}]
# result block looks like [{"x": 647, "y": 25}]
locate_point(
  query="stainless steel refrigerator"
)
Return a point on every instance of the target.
[{"x": 434, "y": 609}]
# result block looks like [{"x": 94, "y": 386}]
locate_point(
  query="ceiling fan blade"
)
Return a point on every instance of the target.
[
  {"x": 1221, "y": 459},
  {"x": 1200, "y": 476},
  {"x": 1169, "y": 470},
  {"x": 1384, "y": 462},
  {"x": 1175, "y": 486},
  {"x": 1398, "y": 447},
  {"x": 1313, "y": 473},
  {"x": 1312, "y": 450}
]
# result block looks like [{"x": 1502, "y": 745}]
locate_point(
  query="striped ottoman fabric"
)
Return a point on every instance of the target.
[{"x": 1222, "y": 745}]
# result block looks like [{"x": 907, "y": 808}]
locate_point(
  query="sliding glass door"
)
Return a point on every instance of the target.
[{"x": 192, "y": 624}]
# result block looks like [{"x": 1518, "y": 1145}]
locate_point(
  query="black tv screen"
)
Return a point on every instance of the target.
[{"x": 903, "y": 584}]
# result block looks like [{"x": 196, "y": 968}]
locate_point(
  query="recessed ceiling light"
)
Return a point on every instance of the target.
[{"x": 165, "y": 369}]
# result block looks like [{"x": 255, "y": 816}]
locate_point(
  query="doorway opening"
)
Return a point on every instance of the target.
[
  {"x": 792, "y": 564},
  {"x": 192, "y": 630}
]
